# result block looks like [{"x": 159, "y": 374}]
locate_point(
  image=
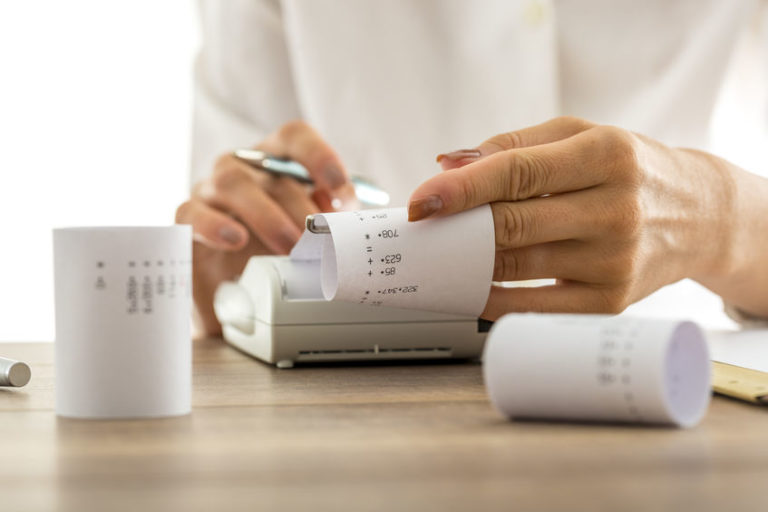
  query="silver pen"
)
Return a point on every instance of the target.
[
  {"x": 13, "y": 373},
  {"x": 368, "y": 193}
]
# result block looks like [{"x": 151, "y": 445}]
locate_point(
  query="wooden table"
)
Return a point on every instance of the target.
[{"x": 393, "y": 437}]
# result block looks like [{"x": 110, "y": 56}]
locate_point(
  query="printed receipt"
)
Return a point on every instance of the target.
[
  {"x": 377, "y": 257},
  {"x": 598, "y": 368}
]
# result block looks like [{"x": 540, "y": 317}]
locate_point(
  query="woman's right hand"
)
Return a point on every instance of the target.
[{"x": 239, "y": 211}]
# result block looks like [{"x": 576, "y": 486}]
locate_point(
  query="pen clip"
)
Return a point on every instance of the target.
[{"x": 251, "y": 156}]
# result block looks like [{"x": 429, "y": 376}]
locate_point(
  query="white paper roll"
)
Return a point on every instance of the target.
[
  {"x": 598, "y": 368},
  {"x": 123, "y": 302},
  {"x": 377, "y": 257}
]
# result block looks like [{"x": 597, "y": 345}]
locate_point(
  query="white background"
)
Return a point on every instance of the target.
[
  {"x": 95, "y": 105},
  {"x": 95, "y": 108}
]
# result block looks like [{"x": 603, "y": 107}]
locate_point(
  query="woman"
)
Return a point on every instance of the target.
[{"x": 592, "y": 187}]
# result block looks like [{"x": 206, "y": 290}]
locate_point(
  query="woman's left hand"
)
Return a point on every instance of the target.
[{"x": 612, "y": 215}]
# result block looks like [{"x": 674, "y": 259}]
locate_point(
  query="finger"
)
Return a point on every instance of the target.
[
  {"x": 553, "y": 130},
  {"x": 293, "y": 197},
  {"x": 565, "y": 297},
  {"x": 323, "y": 200},
  {"x": 212, "y": 227},
  {"x": 236, "y": 188},
  {"x": 577, "y": 215},
  {"x": 300, "y": 142},
  {"x": 267, "y": 219},
  {"x": 562, "y": 260},
  {"x": 512, "y": 175},
  {"x": 570, "y": 260}
]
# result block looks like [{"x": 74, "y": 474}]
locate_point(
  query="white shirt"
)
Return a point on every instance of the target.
[{"x": 390, "y": 84}]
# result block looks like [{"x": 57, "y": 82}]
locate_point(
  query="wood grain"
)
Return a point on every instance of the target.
[{"x": 372, "y": 437}]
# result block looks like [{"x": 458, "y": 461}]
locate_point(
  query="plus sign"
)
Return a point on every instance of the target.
[
  {"x": 367, "y": 237},
  {"x": 369, "y": 273},
  {"x": 370, "y": 261}
]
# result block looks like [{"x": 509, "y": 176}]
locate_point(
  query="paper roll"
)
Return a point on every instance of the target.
[
  {"x": 123, "y": 302},
  {"x": 598, "y": 368},
  {"x": 377, "y": 257}
]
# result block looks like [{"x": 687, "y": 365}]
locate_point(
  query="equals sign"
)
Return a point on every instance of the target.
[{"x": 369, "y": 249}]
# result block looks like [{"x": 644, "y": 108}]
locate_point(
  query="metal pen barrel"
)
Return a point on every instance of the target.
[
  {"x": 367, "y": 193},
  {"x": 13, "y": 373}
]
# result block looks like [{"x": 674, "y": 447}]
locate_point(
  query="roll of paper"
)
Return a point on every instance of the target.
[
  {"x": 598, "y": 368},
  {"x": 123, "y": 302},
  {"x": 377, "y": 257}
]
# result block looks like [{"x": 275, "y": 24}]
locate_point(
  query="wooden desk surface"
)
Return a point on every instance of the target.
[{"x": 401, "y": 437}]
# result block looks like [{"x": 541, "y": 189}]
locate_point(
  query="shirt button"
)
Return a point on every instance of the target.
[{"x": 535, "y": 13}]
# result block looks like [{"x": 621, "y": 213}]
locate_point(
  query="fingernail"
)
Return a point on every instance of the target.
[
  {"x": 334, "y": 176},
  {"x": 229, "y": 235},
  {"x": 460, "y": 154},
  {"x": 424, "y": 207}
]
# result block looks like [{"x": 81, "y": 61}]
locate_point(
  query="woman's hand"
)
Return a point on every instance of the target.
[
  {"x": 612, "y": 215},
  {"x": 239, "y": 211}
]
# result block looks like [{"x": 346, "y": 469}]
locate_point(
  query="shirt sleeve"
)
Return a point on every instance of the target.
[
  {"x": 743, "y": 318},
  {"x": 243, "y": 85}
]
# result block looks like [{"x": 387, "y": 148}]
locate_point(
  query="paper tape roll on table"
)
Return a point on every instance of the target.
[
  {"x": 123, "y": 342},
  {"x": 598, "y": 368}
]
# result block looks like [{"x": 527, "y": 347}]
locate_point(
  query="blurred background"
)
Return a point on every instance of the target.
[{"x": 95, "y": 109}]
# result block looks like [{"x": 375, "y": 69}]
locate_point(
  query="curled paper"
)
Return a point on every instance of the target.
[{"x": 377, "y": 257}]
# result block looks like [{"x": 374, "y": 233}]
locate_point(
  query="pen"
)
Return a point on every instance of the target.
[
  {"x": 13, "y": 373},
  {"x": 368, "y": 193}
]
